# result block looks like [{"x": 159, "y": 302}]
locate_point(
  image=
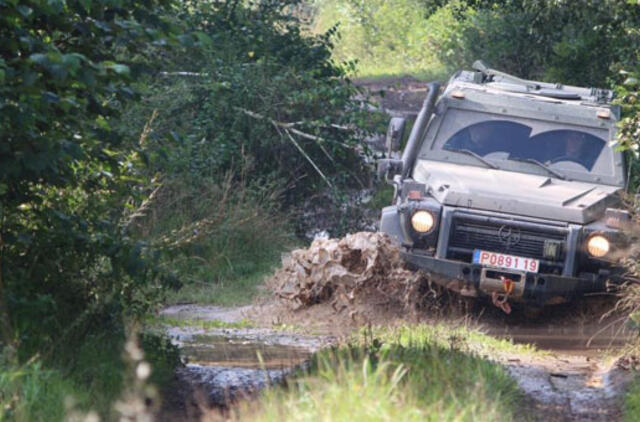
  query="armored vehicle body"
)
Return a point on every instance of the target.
[{"x": 509, "y": 188}]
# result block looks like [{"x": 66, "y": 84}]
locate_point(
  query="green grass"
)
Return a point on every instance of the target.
[
  {"x": 31, "y": 393},
  {"x": 229, "y": 292},
  {"x": 386, "y": 38},
  {"x": 421, "y": 372},
  {"x": 632, "y": 403},
  {"x": 195, "y": 323},
  {"x": 91, "y": 381}
]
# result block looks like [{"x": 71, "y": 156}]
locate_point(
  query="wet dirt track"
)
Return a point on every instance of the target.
[
  {"x": 227, "y": 364},
  {"x": 574, "y": 379},
  {"x": 577, "y": 377}
]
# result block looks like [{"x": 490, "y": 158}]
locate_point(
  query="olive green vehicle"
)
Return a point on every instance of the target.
[{"x": 510, "y": 189}]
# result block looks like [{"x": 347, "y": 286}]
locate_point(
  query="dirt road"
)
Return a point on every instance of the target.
[
  {"x": 578, "y": 377},
  {"x": 574, "y": 379}
]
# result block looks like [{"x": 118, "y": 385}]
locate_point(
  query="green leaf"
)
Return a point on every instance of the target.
[
  {"x": 203, "y": 38},
  {"x": 3, "y": 188},
  {"x": 25, "y": 11},
  {"x": 39, "y": 58},
  {"x": 86, "y": 4},
  {"x": 120, "y": 69},
  {"x": 631, "y": 81}
]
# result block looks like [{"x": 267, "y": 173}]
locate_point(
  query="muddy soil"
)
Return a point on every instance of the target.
[
  {"x": 224, "y": 365},
  {"x": 575, "y": 379},
  {"x": 578, "y": 377},
  {"x": 398, "y": 97}
]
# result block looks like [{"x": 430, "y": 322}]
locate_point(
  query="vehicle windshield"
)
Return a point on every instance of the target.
[
  {"x": 516, "y": 143},
  {"x": 515, "y": 139}
]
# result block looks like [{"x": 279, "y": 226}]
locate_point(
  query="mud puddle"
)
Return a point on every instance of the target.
[
  {"x": 590, "y": 340},
  {"x": 576, "y": 377},
  {"x": 226, "y": 364}
]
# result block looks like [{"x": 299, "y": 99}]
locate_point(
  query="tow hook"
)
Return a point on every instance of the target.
[{"x": 501, "y": 300}]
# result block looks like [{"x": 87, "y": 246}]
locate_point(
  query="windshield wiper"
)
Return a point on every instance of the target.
[
  {"x": 475, "y": 155},
  {"x": 542, "y": 165}
]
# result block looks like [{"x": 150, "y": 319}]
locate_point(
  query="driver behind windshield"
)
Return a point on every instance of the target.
[
  {"x": 576, "y": 146},
  {"x": 479, "y": 138}
]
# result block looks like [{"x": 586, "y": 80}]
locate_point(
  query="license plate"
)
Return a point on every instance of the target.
[{"x": 500, "y": 260}]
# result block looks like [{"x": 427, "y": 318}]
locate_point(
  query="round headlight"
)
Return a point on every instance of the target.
[
  {"x": 598, "y": 246},
  {"x": 422, "y": 221}
]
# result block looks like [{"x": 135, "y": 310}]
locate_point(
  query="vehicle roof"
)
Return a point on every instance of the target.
[{"x": 496, "y": 83}]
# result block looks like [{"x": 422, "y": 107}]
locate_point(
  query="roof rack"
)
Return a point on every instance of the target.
[{"x": 504, "y": 81}]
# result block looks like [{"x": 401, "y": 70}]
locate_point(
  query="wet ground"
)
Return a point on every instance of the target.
[
  {"x": 226, "y": 364},
  {"x": 574, "y": 379},
  {"x": 577, "y": 377}
]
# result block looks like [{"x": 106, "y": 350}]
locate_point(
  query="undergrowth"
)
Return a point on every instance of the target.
[
  {"x": 52, "y": 390},
  {"x": 384, "y": 38},
  {"x": 410, "y": 373},
  {"x": 223, "y": 236}
]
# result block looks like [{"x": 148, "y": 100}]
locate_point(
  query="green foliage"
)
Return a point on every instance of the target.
[
  {"x": 628, "y": 93},
  {"x": 162, "y": 355},
  {"x": 632, "y": 403},
  {"x": 66, "y": 176},
  {"x": 578, "y": 42},
  {"x": 382, "y": 38},
  {"x": 408, "y": 373},
  {"x": 32, "y": 393},
  {"x": 257, "y": 87}
]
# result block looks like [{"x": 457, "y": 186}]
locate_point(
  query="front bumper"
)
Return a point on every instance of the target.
[{"x": 538, "y": 289}]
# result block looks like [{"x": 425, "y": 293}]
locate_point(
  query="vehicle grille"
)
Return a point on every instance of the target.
[{"x": 469, "y": 232}]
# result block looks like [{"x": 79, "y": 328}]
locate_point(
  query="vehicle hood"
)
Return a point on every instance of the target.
[{"x": 514, "y": 193}]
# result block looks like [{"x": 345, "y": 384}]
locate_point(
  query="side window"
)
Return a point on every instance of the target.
[{"x": 488, "y": 137}]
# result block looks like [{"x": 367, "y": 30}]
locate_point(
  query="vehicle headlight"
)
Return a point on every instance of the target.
[
  {"x": 598, "y": 246},
  {"x": 422, "y": 221}
]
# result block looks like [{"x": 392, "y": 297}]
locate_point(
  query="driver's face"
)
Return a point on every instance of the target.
[
  {"x": 480, "y": 134},
  {"x": 574, "y": 145}
]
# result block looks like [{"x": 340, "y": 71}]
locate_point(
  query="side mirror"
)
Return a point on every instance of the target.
[
  {"x": 389, "y": 167},
  {"x": 395, "y": 134}
]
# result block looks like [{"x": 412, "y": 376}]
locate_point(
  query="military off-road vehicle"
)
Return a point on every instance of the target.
[{"x": 510, "y": 189}]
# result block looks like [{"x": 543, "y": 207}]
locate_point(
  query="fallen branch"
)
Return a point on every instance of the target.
[
  {"x": 305, "y": 155},
  {"x": 291, "y": 127}
]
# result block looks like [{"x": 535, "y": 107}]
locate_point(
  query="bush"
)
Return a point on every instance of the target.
[
  {"x": 257, "y": 87},
  {"x": 68, "y": 179},
  {"x": 578, "y": 42},
  {"x": 32, "y": 393},
  {"x": 381, "y": 37}
]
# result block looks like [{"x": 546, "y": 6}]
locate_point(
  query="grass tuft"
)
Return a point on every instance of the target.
[
  {"x": 421, "y": 372},
  {"x": 195, "y": 323}
]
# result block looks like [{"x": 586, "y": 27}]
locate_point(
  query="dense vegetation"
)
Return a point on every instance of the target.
[
  {"x": 144, "y": 144},
  {"x": 575, "y": 42},
  {"x": 121, "y": 178}
]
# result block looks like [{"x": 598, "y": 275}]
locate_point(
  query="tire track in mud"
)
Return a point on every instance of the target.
[
  {"x": 570, "y": 388},
  {"x": 576, "y": 377}
]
